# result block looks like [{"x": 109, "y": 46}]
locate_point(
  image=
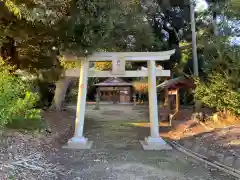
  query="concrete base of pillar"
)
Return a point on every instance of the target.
[
  {"x": 78, "y": 143},
  {"x": 151, "y": 143}
]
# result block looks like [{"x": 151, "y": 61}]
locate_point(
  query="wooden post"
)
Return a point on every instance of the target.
[
  {"x": 134, "y": 100},
  {"x": 97, "y": 98},
  {"x": 166, "y": 98},
  {"x": 169, "y": 108},
  {"x": 109, "y": 96},
  {"x": 139, "y": 97},
  {"x": 177, "y": 101}
]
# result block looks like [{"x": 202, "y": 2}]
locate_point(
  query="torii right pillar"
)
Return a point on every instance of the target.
[{"x": 154, "y": 141}]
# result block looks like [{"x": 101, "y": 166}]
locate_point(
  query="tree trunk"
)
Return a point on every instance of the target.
[
  {"x": 214, "y": 23},
  {"x": 60, "y": 93},
  {"x": 215, "y": 11},
  {"x": 194, "y": 40}
]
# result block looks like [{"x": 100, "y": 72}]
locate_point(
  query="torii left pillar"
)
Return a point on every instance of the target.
[{"x": 79, "y": 141}]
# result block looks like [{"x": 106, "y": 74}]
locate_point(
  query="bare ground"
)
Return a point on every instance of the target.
[
  {"x": 220, "y": 136},
  {"x": 116, "y": 153}
]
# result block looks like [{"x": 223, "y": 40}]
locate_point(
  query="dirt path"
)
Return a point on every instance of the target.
[{"x": 117, "y": 154}]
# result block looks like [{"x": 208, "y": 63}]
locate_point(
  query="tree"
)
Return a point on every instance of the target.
[
  {"x": 72, "y": 27},
  {"x": 28, "y": 26},
  {"x": 219, "y": 62},
  {"x": 168, "y": 19},
  {"x": 79, "y": 27},
  {"x": 18, "y": 102},
  {"x": 126, "y": 30},
  {"x": 219, "y": 88}
]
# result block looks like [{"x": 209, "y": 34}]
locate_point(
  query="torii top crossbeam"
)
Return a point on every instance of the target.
[
  {"x": 118, "y": 63},
  {"x": 127, "y": 56}
]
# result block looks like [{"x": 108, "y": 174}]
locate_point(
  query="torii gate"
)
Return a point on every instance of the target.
[{"x": 154, "y": 141}]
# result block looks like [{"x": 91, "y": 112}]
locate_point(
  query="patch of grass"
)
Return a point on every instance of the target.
[
  {"x": 12, "y": 177},
  {"x": 30, "y": 125}
]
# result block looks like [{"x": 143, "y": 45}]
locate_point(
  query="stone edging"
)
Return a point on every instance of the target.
[
  {"x": 227, "y": 159},
  {"x": 223, "y": 165}
]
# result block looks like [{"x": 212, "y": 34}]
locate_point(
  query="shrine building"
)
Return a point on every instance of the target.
[{"x": 115, "y": 90}]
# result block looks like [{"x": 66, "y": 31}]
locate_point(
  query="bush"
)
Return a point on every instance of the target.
[
  {"x": 219, "y": 88},
  {"x": 216, "y": 93},
  {"x": 17, "y": 101}
]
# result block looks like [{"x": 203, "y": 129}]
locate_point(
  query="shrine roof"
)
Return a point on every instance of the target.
[
  {"x": 113, "y": 81},
  {"x": 180, "y": 82}
]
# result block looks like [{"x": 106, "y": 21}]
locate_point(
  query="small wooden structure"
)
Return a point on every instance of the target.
[
  {"x": 172, "y": 98},
  {"x": 115, "y": 90}
]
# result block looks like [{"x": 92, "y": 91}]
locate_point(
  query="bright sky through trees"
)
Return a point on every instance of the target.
[{"x": 201, "y": 5}]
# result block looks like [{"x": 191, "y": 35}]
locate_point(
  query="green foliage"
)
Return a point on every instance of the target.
[
  {"x": 72, "y": 93},
  {"x": 17, "y": 100},
  {"x": 222, "y": 58},
  {"x": 103, "y": 66},
  {"x": 110, "y": 25},
  {"x": 73, "y": 27},
  {"x": 231, "y": 9},
  {"x": 12, "y": 7},
  {"x": 217, "y": 93},
  {"x": 68, "y": 63},
  {"x": 219, "y": 88}
]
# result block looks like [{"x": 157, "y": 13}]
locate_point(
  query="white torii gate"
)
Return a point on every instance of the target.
[{"x": 154, "y": 141}]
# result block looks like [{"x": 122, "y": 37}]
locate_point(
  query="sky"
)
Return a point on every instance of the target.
[{"x": 201, "y": 5}]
